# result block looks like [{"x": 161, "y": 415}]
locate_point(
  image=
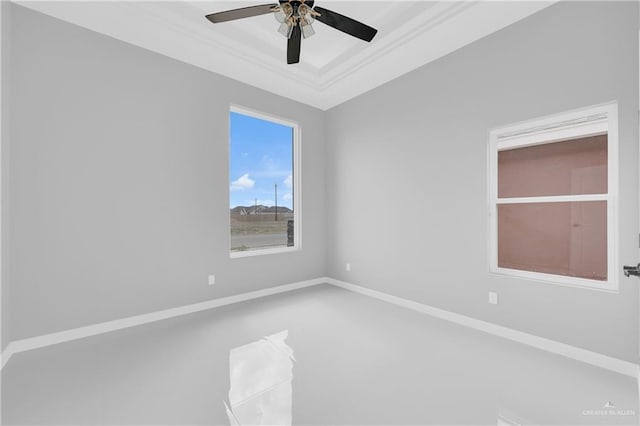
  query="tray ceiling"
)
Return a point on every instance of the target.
[{"x": 333, "y": 68}]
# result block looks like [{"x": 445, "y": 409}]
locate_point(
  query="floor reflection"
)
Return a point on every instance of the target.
[
  {"x": 260, "y": 376},
  {"x": 509, "y": 418}
]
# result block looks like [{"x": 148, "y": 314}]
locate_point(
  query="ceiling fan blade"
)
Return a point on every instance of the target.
[
  {"x": 244, "y": 12},
  {"x": 293, "y": 46},
  {"x": 345, "y": 24}
]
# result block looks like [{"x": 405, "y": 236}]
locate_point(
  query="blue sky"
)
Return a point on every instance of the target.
[{"x": 261, "y": 156}]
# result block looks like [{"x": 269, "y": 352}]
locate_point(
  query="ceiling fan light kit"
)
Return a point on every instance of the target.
[{"x": 295, "y": 18}]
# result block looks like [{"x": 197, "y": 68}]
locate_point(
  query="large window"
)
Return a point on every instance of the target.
[
  {"x": 264, "y": 184},
  {"x": 553, "y": 192}
]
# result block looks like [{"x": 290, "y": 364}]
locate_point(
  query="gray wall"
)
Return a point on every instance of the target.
[
  {"x": 119, "y": 177},
  {"x": 5, "y": 38},
  {"x": 407, "y": 173},
  {"x": 119, "y": 169}
]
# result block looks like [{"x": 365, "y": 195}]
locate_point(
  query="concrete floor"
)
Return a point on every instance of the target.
[{"x": 344, "y": 359}]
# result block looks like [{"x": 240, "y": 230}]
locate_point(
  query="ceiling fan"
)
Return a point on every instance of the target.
[{"x": 296, "y": 17}]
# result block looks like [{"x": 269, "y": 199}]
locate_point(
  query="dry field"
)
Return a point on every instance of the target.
[{"x": 258, "y": 231}]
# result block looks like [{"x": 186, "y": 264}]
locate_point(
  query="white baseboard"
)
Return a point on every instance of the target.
[
  {"x": 36, "y": 342},
  {"x": 613, "y": 364},
  {"x": 5, "y": 356},
  {"x": 573, "y": 352}
]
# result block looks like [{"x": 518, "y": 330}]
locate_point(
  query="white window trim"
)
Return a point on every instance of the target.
[
  {"x": 297, "y": 183},
  {"x": 583, "y": 122}
]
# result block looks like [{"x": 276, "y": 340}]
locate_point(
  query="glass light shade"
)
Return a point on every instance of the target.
[
  {"x": 304, "y": 12},
  {"x": 285, "y": 29},
  {"x": 279, "y": 15},
  {"x": 287, "y": 9},
  {"x": 307, "y": 29}
]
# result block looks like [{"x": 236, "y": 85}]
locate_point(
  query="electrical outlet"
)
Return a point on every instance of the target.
[
  {"x": 212, "y": 279},
  {"x": 493, "y": 297},
  {"x": 347, "y": 267}
]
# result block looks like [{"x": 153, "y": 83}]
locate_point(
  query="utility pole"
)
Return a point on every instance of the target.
[{"x": 276, "y": 202}]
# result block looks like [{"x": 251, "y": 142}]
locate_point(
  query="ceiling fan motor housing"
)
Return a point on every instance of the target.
[{"x": 296, "y": 3}]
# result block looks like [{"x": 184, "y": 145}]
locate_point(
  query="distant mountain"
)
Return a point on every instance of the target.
[{"x": 259, "y": 209}]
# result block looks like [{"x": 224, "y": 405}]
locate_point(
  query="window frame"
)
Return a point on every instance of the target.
[
  {"x": 297, "y": 181},
  {"x": 584, "y": 122}
]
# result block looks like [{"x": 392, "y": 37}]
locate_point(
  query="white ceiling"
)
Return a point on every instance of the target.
[{"x": 334, "y": 67}]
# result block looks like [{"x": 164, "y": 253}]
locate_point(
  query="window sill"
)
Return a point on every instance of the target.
[
  {"x": 610, "y": 286},
  {"x": 262, "y": 252}
]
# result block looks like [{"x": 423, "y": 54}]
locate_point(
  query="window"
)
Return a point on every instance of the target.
[
  {"x": 553, "y": 198},
  {"x": 264, "y": 183}
]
